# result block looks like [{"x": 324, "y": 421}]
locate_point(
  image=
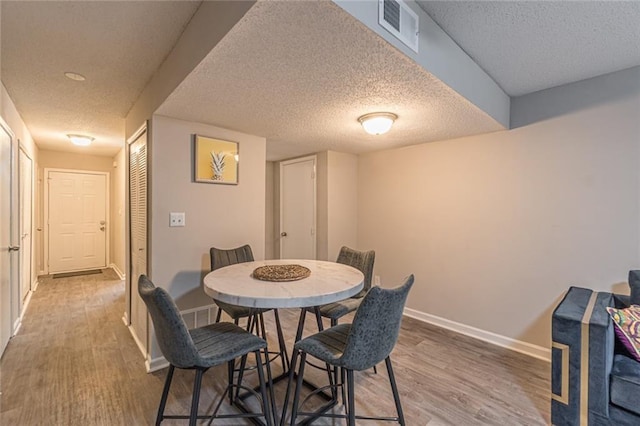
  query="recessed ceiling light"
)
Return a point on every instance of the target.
[
  {"x": 377, "y": 123},
  {"x": 75, "y": 76},
  {"x": 80, "y": 140}
]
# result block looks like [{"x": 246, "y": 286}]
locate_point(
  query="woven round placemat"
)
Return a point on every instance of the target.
[{"x": 281, "y": 273}]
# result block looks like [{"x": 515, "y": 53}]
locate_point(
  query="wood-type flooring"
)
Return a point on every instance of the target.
[{"x": 74, "y": 362}]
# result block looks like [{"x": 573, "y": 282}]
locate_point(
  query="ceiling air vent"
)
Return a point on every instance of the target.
[{"x": 398, "y": 18}]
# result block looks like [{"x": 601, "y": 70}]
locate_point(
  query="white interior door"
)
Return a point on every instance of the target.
[
  {"x": 26, "y": 202},
  {"x": 298, "y": 208},
  {"x": 9, "y": 278},
  {"x": 138, "y": 234},
  {"x": 77, "y": 210}
]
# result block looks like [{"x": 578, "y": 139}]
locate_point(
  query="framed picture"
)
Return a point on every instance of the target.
[{"x": 216, "y": 161}]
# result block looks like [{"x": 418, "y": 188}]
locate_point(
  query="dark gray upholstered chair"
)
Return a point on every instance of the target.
[
  {"x": 200, "y": 349},
  {"x": 355, "y": 347},
  {"x": 225, "y": 257},
  {"x": 362, "y": 261}
]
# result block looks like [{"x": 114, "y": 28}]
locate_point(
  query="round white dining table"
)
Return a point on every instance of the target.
[{"x": 328, "y": 282}]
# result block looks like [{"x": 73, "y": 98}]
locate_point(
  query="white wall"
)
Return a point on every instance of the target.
[
  {"x": 224, "y": 216},
  {"x": 496, "y": 227},
  {"x": 118, "y": 212}
]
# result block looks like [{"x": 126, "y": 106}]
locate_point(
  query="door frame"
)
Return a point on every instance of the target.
[
  {"x": 107, "y": 208},
  {"x": 23, "y": 150},
  {"x": 142, "y": 342},
  {"x": 284, "y": 163},
  {"x": 14, "y": 229}
]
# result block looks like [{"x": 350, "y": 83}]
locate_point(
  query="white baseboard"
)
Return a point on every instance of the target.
[
  {"x": 138, "y": 341},
  {"x": 156, "y": 364},
  {"x": 125, "y": 319},
  {"x": 118, "y": 271},
  {"x": 34, "y": 285},
  {"x": 17, "y": 324},
  {"x": 532, "y": 350}
]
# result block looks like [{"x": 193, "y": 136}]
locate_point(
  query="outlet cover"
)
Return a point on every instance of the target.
[{"x": 176, "y": 219}]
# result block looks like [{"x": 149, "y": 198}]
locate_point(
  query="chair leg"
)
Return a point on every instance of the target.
[
  {"x": 319, "y": 318},
  {"x": 218, "y": 315},
  {"x": 263, "y": 389},
  {"x": 271, "y": 396},
  {"x": 292, "y": 372},
  {"x": 193, "y": 418},
  {"x": 296, "y": 395},
  {"x": 343, "y": 385},
  {"x": 394, "y": 389},
  {"x": 351, "y": 406},
  {"x": 230, "y": 367},
  {"x": 243, "y": 365},
  {"x": 165, "y": 393}
]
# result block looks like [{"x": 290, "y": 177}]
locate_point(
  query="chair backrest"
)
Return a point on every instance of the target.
[
  {"x": 222, "y": 257},
  {"x": 362, "y": 261},
  {"x": 375, "y": 327},
  {"x": 173, "y": 336}
]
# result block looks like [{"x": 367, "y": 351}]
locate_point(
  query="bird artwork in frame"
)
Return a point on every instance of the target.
[{"x": 215, "y": 160}]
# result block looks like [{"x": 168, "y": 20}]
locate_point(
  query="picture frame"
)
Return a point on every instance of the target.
[{"x": 215, "y": 160}]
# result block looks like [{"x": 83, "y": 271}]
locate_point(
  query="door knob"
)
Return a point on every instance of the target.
[
  {"x": 102, "y": 222},
  {"x": 283, "y": 234},
  {"x": 14, "y": 248}
]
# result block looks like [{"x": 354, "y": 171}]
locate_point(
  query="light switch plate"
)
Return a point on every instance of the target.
[{"x": 176, "y": 219}]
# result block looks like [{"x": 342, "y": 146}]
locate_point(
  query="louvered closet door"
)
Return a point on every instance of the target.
[{"x": 138, "y": 220}]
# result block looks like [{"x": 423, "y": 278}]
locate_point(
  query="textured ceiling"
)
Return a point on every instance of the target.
[
  {"x": 528, "y": 46},
  {"x": 300, "y": 74},
  {"x": 117, "y": 46}
]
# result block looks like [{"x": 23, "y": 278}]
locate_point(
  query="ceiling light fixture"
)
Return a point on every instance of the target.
[
  {"x": 80, "y": 140},
  {"x": 74, "y": 76},
  {"x": 377, "y": 123}
]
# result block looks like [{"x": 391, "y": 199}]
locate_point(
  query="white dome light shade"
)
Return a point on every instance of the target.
[
  {"x": 74, "y": 76},
  {"x": 80, "y": 140},
  {"x": 377, "y": 123}
]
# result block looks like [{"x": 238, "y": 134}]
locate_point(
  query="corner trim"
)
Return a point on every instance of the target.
[
  {"x": 117, "y": 270},
  {"x": 138, "y": 341},
  {"x": 525, "y": 348}
]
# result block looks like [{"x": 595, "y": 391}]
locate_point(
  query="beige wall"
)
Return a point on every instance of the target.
[
  {"x": 224, "y": 216},
  {"x": 118, "y": 211},
  {"x": 342, "y": 202},
  {"x": 496, "y": 227}
]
